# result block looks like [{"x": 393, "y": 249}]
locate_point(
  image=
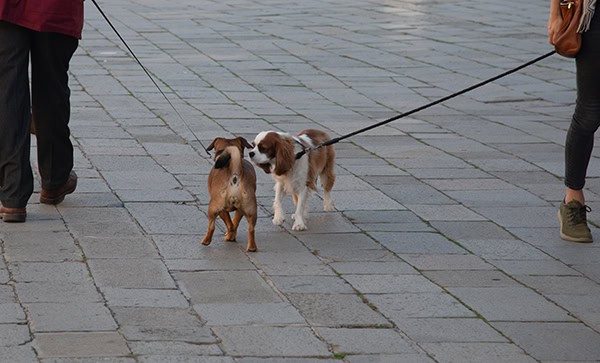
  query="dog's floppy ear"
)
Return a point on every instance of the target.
[
  {"x": 284, "y": 156},
  {"x": 212, "y": 144},
  {"x": 244, "y": 142},
  {"x": 223, "y": 160}
]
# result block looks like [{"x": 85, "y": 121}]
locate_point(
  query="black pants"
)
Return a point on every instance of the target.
[
  {"x": 50, "y": 93},
  {"x": 586, "y": 119}
]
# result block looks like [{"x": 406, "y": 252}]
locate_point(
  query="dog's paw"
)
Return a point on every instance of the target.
[
  {"x": 278, "y": 221},
  {"x": 299, "y": 226},
  {"x": 206, "y": 242},
  {"x": 328, "y": 207},
  {"x": 230, "y": 236}
]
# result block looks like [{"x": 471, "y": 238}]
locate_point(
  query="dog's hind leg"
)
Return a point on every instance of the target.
[
  {"x": 231, "y": 226},
  {"x": 327, "y": 180},
  {"x": 212, "y": 216},
  {"x": 301, "y": 208}
]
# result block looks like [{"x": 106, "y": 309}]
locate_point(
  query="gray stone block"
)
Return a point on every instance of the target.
[
  {"x": 21, "y": 354},
  {"x": 506, "y": 249},
  {"x": 13, "y": 335},
  {"x": 373, "y": 268},
  {"x": 424, "y": 330},
  {"x": 312, "y": 284},
  {"x": 11, "y": 313},
  {"x": 162, "y": 324},
  {"x": 184, "y": 359},
  {"x": 417, "y": 243},
  {"x": 398, "y": 307},
  {"x": 365, "y": 341},
  {"x": 226, "y": 287},
  {"x": 169, "y": 349},
  {"x": 189, "y": 247},
  {"x": 390, "y": 358},
  {"x": 447, "y": 262},
  {"x": 497, "y": 304},
  {"x": 271, "y": 342},
  {"x": 477, "y": 352},
  {"x": 554, "y": 341},
  {"x": 118, "y": 247},
  {"x": 158, "y": 298},
  {"x": 336, "y": 310},
  {"x": 57, "y": 291},
  {"x": 73, "y": 272},
  {"x": 40, "y": 247},
  {"x": 131, "y": 273},
  {"x": 468, "y": 230},
  {"x": 62, "y": 317},
  {"x": 183, "y": 219},
  {"x": 390, "y": 284},
  {"x": 559, "y": 285},
  {"x": 80, "y": 344},
  {"x": 249, "y": 314},
  {"x": 448, "y": 212},
  {"x": 457, "y": 278}
]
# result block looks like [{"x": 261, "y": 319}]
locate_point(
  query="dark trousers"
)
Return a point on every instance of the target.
[
  {"x": 586, "y": 119},
  {"x": 49, "y": 102}
]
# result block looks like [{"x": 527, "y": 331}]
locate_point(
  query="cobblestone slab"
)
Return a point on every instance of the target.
[
  {"x": 271, "y": 341},
  {"x": 443, "y": 246},
  {"x": 97, "y": 344}
]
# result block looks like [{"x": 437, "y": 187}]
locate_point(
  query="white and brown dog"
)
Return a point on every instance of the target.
[
  {"x": 232, "y": 187},
  {"x": 275, "y": 153}
]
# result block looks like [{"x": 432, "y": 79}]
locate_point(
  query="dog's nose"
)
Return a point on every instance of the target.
[{"x": 251, "y": 153}]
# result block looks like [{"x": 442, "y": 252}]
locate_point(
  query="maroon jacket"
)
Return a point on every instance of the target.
[{"x": 57, "y": 16}]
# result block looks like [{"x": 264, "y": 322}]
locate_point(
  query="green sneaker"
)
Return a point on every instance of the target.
[{"x": 573, "y": 222}]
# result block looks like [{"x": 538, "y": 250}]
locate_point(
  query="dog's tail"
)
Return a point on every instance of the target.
[
  {"x": 231, "y": 157},
  {"x": 223, "y": 160}
]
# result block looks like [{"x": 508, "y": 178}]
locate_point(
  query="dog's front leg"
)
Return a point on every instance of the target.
[
  {"x": 279, "y": 215},
  {"x": 251, "y": 247},
  {"x": 300, "y": 214}
]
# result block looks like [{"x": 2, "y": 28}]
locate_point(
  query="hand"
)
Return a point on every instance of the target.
[
  {"x": 554, "y": 20},
  {"x": 554, "y": 23}
]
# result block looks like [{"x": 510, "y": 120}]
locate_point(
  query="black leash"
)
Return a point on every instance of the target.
[
  {"x": 148, "y": 73},
  {"x": 468, "y": 89}
]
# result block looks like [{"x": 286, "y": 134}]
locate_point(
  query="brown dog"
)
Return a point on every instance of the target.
[{"x": 232, "y": 187}]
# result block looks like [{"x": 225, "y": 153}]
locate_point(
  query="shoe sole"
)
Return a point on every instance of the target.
[
  {"x": 13, "y": 218},
  {"x": 569, "y": 238},
  {"x": 58, "y": 199}
]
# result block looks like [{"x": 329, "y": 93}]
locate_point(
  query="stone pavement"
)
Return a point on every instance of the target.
[{"x": 444, "y": 244}]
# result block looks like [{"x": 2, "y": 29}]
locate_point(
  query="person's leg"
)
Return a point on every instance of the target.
[
  {"x": 586, "y": 119},
  {"x": 580, "y": 137},
  {"x": 50, "y": 95},
  {"x": 16, "y": 177}
]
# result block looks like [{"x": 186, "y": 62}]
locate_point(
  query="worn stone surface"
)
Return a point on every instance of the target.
[
  {"x": 443, "y": 243},
  {"x": 271, "y": 341},
  {"x": 81, "y": 344}
]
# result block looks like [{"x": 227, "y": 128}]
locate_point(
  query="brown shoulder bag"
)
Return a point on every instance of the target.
[{"x": 567, "y": 41}]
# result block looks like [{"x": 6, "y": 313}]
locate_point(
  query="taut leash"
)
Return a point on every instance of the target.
[
  {"x": 148, "y": 73},
  {"x": 421, "y": 108}
]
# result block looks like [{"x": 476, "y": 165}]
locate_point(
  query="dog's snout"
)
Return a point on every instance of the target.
[{"x": 251, "y": 153}]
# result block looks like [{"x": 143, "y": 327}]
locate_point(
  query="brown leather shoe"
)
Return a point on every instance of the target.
[
  {"x": 58, "y": 195},
  {"x": 15, "y": 215}
]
